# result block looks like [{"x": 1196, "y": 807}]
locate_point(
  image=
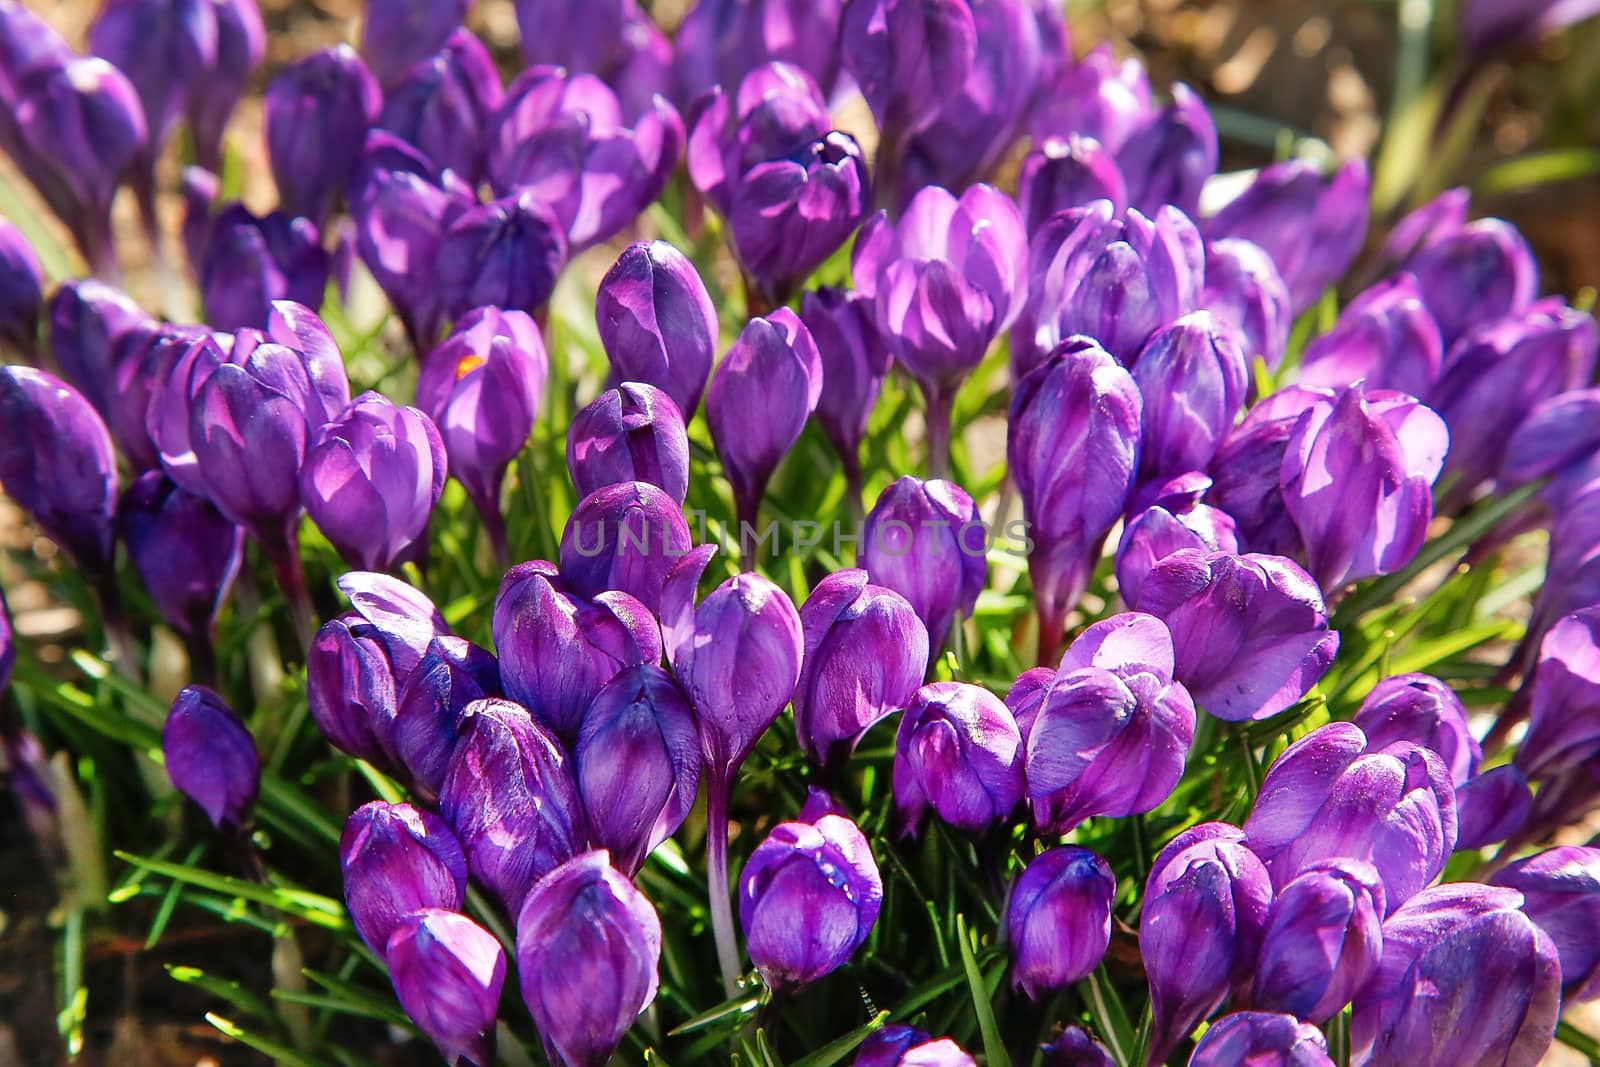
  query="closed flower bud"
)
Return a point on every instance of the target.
[
  {"x": 397, "y": 859},
  {"x": 638, "y": 763},
  {"x": 1076, "y": 405},
  {"x": 1058, "y": 920},
  {"x": 21, "y": 291},
  {"x": 1560, "y": 890},
  {"x": 510, "y": 796},
  {"x": 186, "y": 553},
  {"x": 403, "y": 620},
  {"x": 788, "y": 215},
  {"x": 1442, "y": 216},
  {"x": 351, "y": 686},
  {"x": 317, "y": 114},
  {"x": 241, "y": 43},
  {"x": 588, "y": 949},
  {"x": 1261, "y": 1039},
  {"x": 1247, "y": 471},
  {"x": 211, "y": 757},
  {"x": 615, "y": 39},
  {"x": 1192, "y": 378},
  {"x": 1491, "y": 807},
  {"x": 1423, "y": 710},
  {"x": 1332, "y": 794},
  {"x": 855, "y": 360},
  {"x": 1465, "y": 978},
  {"x": 866, "y": 652},
  {"x": 1205, "y": 907},
  {"x": 86, "y": 319},
  {"x": 398, "y": 35},
  {"x": 371, "y": 480},
  {"x": 657, "y": 322},
  {"x": 759, "y": 399},
  {"x": 927, "y": 542},
  {"x": 1062, "y": 174},
  {"x": 1385, "y": 336},
  {"x": 1170, "y": 520},
  {"x": 770, "y": 114},
  {"x": 1113, "y": 729},
  {"x": 624, "y": 537},
  {"x": 1473, "y": 274},
  {"x": 886, "y": 1047},
  {"x": 1098, "y": 96},
  {"x": 960, "y": 753},
  {"x": 428, "y": 708},
  {"x": 1564, "y": 698},
  {"x": 819, "y": 802},
  {"x": 1556, "y": 439},
  {"x": 1322, "y": 940},
  {"x": 162, "y": 47},
  {"x": 1244, "y": 289},
  {"x": 633, "y": 433},
  {"x": 443, "y": 103},
  {"x": 1357, "y": 478},
  {"x": 807, "y": 900},
  {"x": 1073, "y": 1047},
  {"x": 1251, "y": 631},
  {"x": 143, "y": 360},
  {"x": 506, "y": 254},
  {"x": 447, "y": 973},
  {"x": 56, "y": 464},
  {"x": 720, "y": 41},
  {"x": 908, "y": 56},
  {"x": 1168, "y": 159}
]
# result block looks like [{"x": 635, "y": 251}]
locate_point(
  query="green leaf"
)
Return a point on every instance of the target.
[
  {"x": 1577, "y": 1040},
  {"x": 1105, "y": 1007},
  {"x": 281, "y": 1054},
  {"x": 738, "y": 1007},
  {"x": 994, "y": 1049},
  {"x": 311, "y": 907},
  {"x": 223, "y": 989},
  {"x": 840, "y": 1047}
]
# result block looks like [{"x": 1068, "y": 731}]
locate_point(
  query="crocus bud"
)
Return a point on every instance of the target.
[
  {"x": 1026, "y": 696},
  {"x": 866, "y": 652},
  {"x": 402, "y": 619},
  {"x": 1465, "y": 978},
  {"x": 186, "y": 553},
  {"x": 510, "y": 796},
  {"x": 588, "y": 948},
  {"x": 351, "y": 687},
  {"x": 1492, "y": 806},
  {"x": 1556, "y": 439},
  {"x": 1244, "y": 290},
  {"x": 855, "y": 361},
  {"x": 1077, "y": 404},
  {"x": 638, "y": 763},
  {"x": 1560, "y": 890},
  {"x": 772, "y": 113},
  {"x": 397, "y": 859},
  {"x": 162, "y": 47},
  {"x": 317, "y": 114},
  {"x": 1062, "y": 174},
  {"x": 241, "y": 43},
  {"x": 1261, "y": 1039},
  {"x": 959, "y": 752},
  {"x": 143, "y": 359},
  {"x": 737, "y": 655},
  {"x": 557, "y": 650},
  {"x": 1472, "y": 274},
  {"x": 1322, "y": 940},
  {"x": 481, "y": 387},
  {"x": 506, "y": 254},
  {"x": 612, "y": 38},
  {"x": 657, "y": 322},
  {"x": 397, "y": 35},
  {"x": 633, "y": 433},
  {"x": 625, "y": 537},
  {"x": 1112, "y": 731},
  {"x": 1073, "y": 1047},
  {"x": 1488, "y": 28},
  {"x": 1247, "y": 471},
  {"x": 1058, "y": 919},
  {"x": 1170, "y": 156},
  {"x": 428, "y": 708},
  {"x": 1168, "y": 518},
  {"x": 1205, "y": 906},
  {"x": 1332, "y": 794},
  {"x": 908, "y": 56},
  {"x": 86, "y": 319},
  {"x": 564, "y": 138},
  {"x": 211, "y": 757},
  {"x": 443, "y": 103},
  {"x": 56, "y": 464},
  {"x": 1423, "y": 710},
  {"x": 927, "y": 542},
  {"x": 1251, "y": 631},
  {"x": 447, "y": 973},
  {"x": 1311, "y": 229},
  {"x": 1099, "y": 97},
  {"x": 1084, "y": 266},
  {"x": 759, "y": 399},
  {"x": 1386, "y": 335},
  {"x": 1192, "y": 378},
  {"x": 1564, "y": 698},
  {"x": 807, "y": 900},
  {"x": 371, "y": 480},
  {"x": 887, "y": 1047},
  {"x": 819, "y": 802},
  {"x": 21, "y": 291},
  {"x": 720, "y": 41},
  {"x": 1357, "y": 478}
]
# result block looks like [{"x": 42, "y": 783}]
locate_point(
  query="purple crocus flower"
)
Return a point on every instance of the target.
[
  {"x": 1168, "y": 159},
  {"x": 143, "y": 359},
  {"x": 1244, "y": 289},
  {"x": 757, "y": 404},
  {"x": 1465, "y": 978},
  {"x": 1311, "y": 228},
  {"x": 1192, "y": 378},
  {"x": 429, "y": 704},
  {"x": 1169, "y": 518},
  {"x": 1560, "y": 890},
  {"x": 808, "y": 898},
  {"x": 447, "y": 973},
  {"x": 1058, "y": 919},
  {"x": 512, "y": 800},
  {"x": 1261, "y": 1039},
  {"x": 564, "y": 140},
  {"x": 1098, "y": 97},
  {"x": 1386, "y": 336},
  {"x": 909, "y": 56},
  {"x": 1322, "y": 940},
  {"x": 351, "y": 688},
  {"x": 1564, "y": 698},
  {"x": 557, "y": 650},
  {"x": 614, "y": 39},
  {"x": 318, "y": 111},
  {"x": 1075, "y": 1047},
  {"x": 1423, "y": 710},
  {"x": 631, "y": 433},
  {"x": 866, "y": 653},
  {"x": 211, "y": 757},
  {"x": 958, "y": 752},
  {"x": 21, "y": 291},
  {"x": 241, "y": 44},
  {"x": 887, "y": 1047},
  {"x": 399, "y": 34},
  {"x": 1487, "y": 28},
  {"x": 403, "y": 620},
  {"x": 186, "y": 553},
  {"x": 444, "y": 102},
  {"x": 56, "y": 464},
  {"x": 1556, "y": 439},
  {"x": 638, "y": 763},
  {"x": 855, "y": 361},
  {"x": 85, "y": 320},
  {"x": 1491, "y": 807},
  {"x": 1251, "y": 631},
  {"x": 1357, "y": 479},
  {"x": 1073, "y": 446},
  {"x": 397, "y": 859},
  {"x": 506, "y": 254},
  {"x": 588, "y": 949},
  {"x": 1066, "y": 173},
  {"x": 1470, "y": 273},
  {"x": 1247, "y": 471},
  {"x": 1332, "y": 794},
  {"x": 250, "y": 261},
  {"x": 720, "y": 41},
  {"x": 626, "y": 537},
  {"x": 657, "y": 323},
  {"x": 927, "y": 542},
  {"x": 1111, "y": 733}
]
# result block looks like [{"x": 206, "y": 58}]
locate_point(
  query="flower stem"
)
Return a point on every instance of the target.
[
  {"x": 119, "y": 641},
  {"x": 284, "y": 555},
  {"x": 938, "y": 404},
  {"x": 718, "y": 787},
  {"x": 494, "y": 524},
  {"x": 852, "y": 482}
]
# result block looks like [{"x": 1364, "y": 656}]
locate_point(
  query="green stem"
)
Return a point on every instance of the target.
[{"x": 718, "y": 788}]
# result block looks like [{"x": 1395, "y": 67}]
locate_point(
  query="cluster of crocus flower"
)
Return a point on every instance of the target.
[{"x": 1154, "y": 395}]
